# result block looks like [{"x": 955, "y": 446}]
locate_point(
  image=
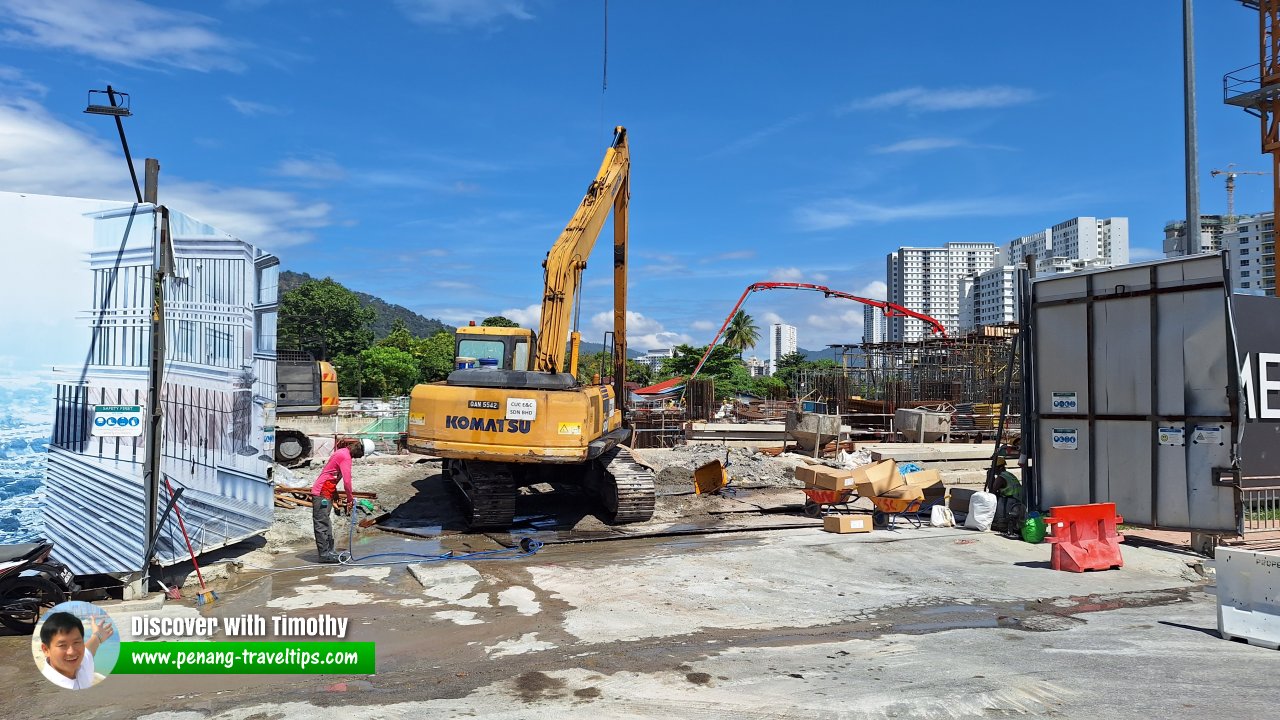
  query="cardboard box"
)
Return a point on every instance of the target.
[
  {"x": 905, "y": 492},
  {"x": 825, "y": 478},
  {"x": 845, "y": 524},
  {"x": 930, "y": 483},
  {"x": 877, "y": 478}
]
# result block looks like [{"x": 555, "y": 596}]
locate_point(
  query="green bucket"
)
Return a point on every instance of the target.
[{"x": 1034, "y": 529}]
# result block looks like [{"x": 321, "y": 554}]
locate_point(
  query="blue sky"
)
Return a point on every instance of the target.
[{"x": 430, "y": 151}]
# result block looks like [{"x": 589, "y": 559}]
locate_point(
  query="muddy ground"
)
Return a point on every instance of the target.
[{"x": 773, "y": 624}]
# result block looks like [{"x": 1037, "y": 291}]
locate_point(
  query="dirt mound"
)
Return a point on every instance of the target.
[{"x": 674, "y": 466}]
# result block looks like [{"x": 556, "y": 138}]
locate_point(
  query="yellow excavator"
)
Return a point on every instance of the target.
[
  {"x": 513, "y": 414},
  {"x": 305, "y": 387}
]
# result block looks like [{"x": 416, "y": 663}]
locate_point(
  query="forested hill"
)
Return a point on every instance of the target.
[{"x": 387, "y": 313}]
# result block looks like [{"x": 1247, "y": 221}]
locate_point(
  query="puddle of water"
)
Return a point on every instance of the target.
[
  {"x": 956, "y": 610},
  {"x": 929, "y": 627}
]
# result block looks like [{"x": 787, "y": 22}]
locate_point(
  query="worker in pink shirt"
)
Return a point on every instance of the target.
[{"x": 325, "y": 488}]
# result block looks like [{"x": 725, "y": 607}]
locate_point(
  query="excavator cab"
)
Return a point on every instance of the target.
[{"x": 493, "y": 348}]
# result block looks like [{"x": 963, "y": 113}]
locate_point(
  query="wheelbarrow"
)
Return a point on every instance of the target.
[
  {"x": 818, "y": 502},
  {"x": 888, "y": 510}
]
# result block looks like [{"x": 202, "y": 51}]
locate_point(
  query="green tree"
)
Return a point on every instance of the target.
[
  {"x": 592, "y": 364},
  {"x": 789, "y": 366},
  {"x": 435, "y": 356},
  {"x": 400, "y": 338},
  {"x": 770, "y": 388},
  {"x": 685, "y": 358},
  {"x": 639, "y": 372},
  {"x": 742, "y": 333},
  {"x": 381, "y": 371},
  {"x": 324, "y": 318},
  {"x": 498, "y": 321}
]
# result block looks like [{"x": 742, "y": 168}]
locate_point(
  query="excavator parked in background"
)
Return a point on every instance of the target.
[
  {"x": 305, "y": 387},
  {"x": 514, "y": 413}
]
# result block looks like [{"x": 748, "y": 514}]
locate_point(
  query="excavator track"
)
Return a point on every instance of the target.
[
  {"x": 489, "y": 491},
  {"x": 627, "y": 490}
]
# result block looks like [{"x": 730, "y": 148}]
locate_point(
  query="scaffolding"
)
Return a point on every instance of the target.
[{"x": 963, "y": 376}]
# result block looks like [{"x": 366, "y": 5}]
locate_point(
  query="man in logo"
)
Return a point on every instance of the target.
[{"x": 68, "y": 658}]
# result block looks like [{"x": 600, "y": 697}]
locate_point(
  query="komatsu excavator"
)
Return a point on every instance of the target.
[{"x": 520, "y": 416}]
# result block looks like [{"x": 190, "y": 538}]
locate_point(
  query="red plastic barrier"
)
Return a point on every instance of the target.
[{"x": 1084, "y": 537}]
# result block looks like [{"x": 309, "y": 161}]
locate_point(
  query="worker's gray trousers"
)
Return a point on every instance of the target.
[{"x": 320, "y": 510}]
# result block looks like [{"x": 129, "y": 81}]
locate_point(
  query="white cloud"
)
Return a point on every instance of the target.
[
  {"x": 127, "y": 32},
  {"x": 728, "y": 256},
  {"x": 928, "y": 144},
  {"x": 918, "y": 98},
  {"x": 846, "y": 325},
  {"x": 1142, "y": 254},
  {"x": 463, "y": 12},
  {"x": 795, "y": 274},
  {"x": 452, "y": 285},
  {"x": 269, "y": 218},
  {"x": 755, "y": 138},
  {"x": 837, "y": 213},
  {"x": 12, "y": 80},
  {"x": 772, "y": 318},
  {"x": 249, "y": 108},
  {"x": 44, "y": 155},
  {"x": 528, "y": 316},
  {"x": 314, "y": 169},
  {"x": 876, "y": 290},
  {"x": 921, "y": 145},
  {"x": 643, "y": 333},
  {"x": 703, "y": 325}
]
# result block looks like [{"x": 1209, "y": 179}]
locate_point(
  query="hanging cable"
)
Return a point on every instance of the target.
[{"x": 604, "y": 71}]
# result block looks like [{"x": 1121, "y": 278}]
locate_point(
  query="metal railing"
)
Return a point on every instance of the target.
[
  {"x": 1241, "y": 81},
  {"x": 1261, "y": 507}
]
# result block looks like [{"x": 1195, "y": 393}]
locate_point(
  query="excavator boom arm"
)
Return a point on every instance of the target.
[
  {"x": 568, "y": 257},
  {"x": 889, "y": 309}
]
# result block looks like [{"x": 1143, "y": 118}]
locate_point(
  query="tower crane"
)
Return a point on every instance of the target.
[{"x": 1231, "y": 186}]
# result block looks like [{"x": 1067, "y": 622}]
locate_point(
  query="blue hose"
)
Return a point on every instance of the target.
[{"x": 527, "y": 547}]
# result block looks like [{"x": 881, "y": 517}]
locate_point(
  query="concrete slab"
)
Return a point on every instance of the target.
[{"x": 928, "y": 452}]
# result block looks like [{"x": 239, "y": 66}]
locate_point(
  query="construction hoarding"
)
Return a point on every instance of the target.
[
  {"x": 84, "y": 273},
  {"x": 1139, "y": 395}
]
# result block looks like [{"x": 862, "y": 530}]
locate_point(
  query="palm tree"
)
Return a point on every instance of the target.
[{"x": 742, "y": 333}]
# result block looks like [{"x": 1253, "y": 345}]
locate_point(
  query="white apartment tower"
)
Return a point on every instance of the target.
[
  {"x": 875, "y": 326},
  {"x": 1251, "y": 241},
  {"x": 927, "y": 280},
  {"x": 1074, "y": 244},
  {"x": 782, "y": 341},
  {"x": 989, "y": 298}
]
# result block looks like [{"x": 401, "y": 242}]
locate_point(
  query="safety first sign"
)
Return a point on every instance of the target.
[{"x": 117, "y": 420}]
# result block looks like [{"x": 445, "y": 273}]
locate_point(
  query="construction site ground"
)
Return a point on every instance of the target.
[{"x": 758, "y": 615}]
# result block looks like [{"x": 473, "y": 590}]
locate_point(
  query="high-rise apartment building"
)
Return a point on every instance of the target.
[
  {"x": 875, "y": 326},
  {"x": 1252, "y": 244},
  {"x": 1211, "y": 230},
  {"x": 927, "y": 280},
  {"x": 782, "y": 341},
  {"x": 989, "y": 297},
  {"x": 1074, "y": 244}
]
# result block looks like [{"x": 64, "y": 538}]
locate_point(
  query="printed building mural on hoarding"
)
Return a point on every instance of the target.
[{"x": 219, "y": 378}]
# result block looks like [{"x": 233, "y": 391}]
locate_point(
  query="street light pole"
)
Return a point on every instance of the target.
[{"x": 1192, "y": 244}]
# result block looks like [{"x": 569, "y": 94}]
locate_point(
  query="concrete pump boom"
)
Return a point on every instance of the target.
[{"x": 889, "y": 309}]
